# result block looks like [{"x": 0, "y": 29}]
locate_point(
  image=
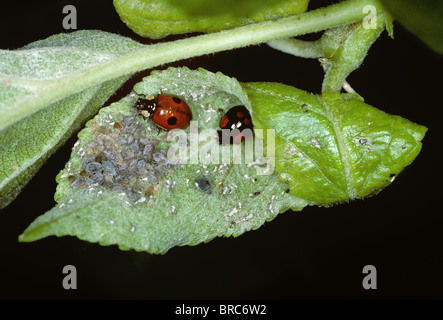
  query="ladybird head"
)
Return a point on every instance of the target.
[{"x": 146, "y": 105}]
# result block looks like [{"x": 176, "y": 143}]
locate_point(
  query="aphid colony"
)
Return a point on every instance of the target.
[
  {"x": 124, "y": 160},
  {"x": 121, "y": 157}
]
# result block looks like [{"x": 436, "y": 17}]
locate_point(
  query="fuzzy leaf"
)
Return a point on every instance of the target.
[
  {"x": 33, "y": 123},
  {"x": 159, "y": 18},
  {"x": 333, "y": 148},
  {"x": 147, "y": 205}
]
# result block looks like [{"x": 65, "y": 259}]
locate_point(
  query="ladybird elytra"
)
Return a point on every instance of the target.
[
  {"x": 234, "y": 124},
  {"x": 167, "y": 111}
]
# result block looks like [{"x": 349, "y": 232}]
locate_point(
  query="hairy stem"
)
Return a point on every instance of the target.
[
  {"x": 151, "y": 56},
  {"x": 352, "y": 47},
  {"x": 299, "y": 48}
]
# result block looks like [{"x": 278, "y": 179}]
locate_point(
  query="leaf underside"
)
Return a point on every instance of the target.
[{"x": 32, "y": 130}]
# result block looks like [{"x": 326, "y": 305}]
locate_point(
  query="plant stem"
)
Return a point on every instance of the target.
[
  {"x": 308, "y": 22},
  {"x": 299, "y": 48},
  {"x": 350, "y": 53},
  {"x": 151, "y": 56}
]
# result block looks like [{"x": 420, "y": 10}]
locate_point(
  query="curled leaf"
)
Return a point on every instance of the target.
[{"x": 121, "y": 187}]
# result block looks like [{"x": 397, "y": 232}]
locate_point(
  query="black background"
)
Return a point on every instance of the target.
[{"x": 318, "y": 253}]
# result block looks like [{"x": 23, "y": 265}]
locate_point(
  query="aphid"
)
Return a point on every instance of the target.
[
  {"x": 203, "y": 184},
  {"x": 118, "y": 126},
  {"x": 109, "y": 168},
  {"x": 167, "y": 111},
  {"x": 93, "y": 167},
  {"x": 239, "y": 119}
]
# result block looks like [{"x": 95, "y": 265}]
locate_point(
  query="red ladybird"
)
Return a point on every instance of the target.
[
  {"x": 167, "y": 111},
  {"x": 234, "y": 124}
]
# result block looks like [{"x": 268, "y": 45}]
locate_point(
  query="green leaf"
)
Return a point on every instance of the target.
[
  {"x": 159, "y": 18},
  {"x": 328, "y": 149},
  {"x": 154, "y": 208},
  {"x": 224, "y": 7},
  {"x": 333, "y": 148},
  {"x": 423, "y": 18},
  {"x": 33, "y": 123}
]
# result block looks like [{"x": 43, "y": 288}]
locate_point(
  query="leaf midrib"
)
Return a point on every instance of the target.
[{"x": 343, "y": 152}]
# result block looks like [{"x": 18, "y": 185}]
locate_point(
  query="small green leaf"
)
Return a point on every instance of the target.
[
  {"x": 333, "y": 148},
  {"x": 33, "y": 123},
  {"x": 159, "y": 18},
  {"x": 145, "y": 204},
  {"x": 423, "y": 18}
]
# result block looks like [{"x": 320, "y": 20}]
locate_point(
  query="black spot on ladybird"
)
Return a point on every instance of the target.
[
  {"x": 203, "y": 184},
  {"x": 172, "y": 121},
  {"x": 177, "y": 100}
]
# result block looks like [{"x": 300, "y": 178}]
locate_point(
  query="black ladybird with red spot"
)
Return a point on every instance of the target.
[
  {"x": 236, "y": 125},
  {"x": 167, "y": 111}
]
